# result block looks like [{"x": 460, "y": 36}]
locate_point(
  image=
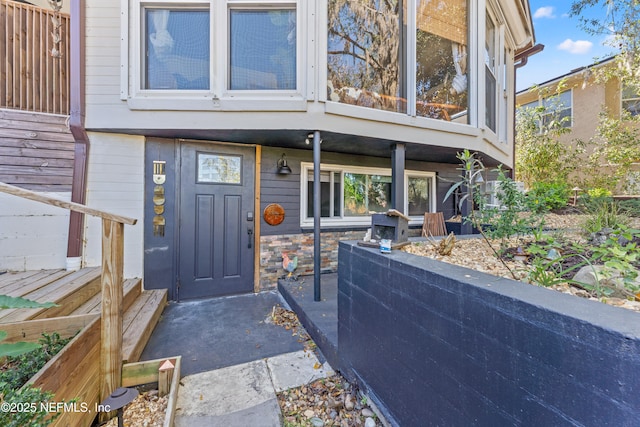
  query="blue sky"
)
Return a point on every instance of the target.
[{"x": 567, "y": 47}]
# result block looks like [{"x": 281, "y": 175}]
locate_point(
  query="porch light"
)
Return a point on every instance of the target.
[
  {"x": 283, "y": 168},
  {"x": 120, "y": 397}
]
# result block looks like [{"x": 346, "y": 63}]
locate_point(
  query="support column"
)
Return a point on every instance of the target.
[
  {"x": 397, "y": 177},
  {"x": 317, "y": 201}
]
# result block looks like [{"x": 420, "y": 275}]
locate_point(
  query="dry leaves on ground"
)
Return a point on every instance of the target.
[
  {"x": 147, "y": 410},
  {"x": 325, "y": 402}
]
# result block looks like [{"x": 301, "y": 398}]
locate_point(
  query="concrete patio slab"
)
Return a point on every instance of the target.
[
  {"x": 295, "y": 369},
  {"x": 244, "y": 395}
]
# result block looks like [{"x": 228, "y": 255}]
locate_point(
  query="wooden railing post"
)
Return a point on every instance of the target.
[{"x": 112, "y": 279}]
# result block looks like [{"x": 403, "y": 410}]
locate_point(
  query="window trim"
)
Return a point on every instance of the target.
[
  {"x": 217, "y": 97},
  {"x": 623, "y": 110},
  {"x": 357, "y": 221}
]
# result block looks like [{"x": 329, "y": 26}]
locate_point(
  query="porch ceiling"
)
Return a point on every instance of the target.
[{"x": 331, "y": 142}]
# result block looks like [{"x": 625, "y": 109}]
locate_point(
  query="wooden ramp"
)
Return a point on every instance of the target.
[{"x": 77, "y": 293}]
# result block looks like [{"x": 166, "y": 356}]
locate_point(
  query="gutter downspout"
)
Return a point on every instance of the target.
[
  {"x": 76, "y": 126},
  {"x": 520, "y": 61}
]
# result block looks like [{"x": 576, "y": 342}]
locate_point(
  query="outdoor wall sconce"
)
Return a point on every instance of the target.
[
  {"x": 118, "y": 400},
  {"x": 283, "y": 168}
]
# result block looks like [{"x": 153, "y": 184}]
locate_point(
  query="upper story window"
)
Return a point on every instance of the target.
[
  {"x": 556, "y": 108},
  {"x": 262, "y": 49},
  {"x": 631, "y": 100},
  {"x": 350, "y": 194},
  {"x": 231, "y": 52},
  {"x": 406, "y": 56},
  {"x": 176, "y": 47}
]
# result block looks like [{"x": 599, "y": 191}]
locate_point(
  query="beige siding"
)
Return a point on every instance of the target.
[{"x": 115, "y": 183}]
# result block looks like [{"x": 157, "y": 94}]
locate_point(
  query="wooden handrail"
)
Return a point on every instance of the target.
[
  {"x": 32, "y": 195},
  {"x": 111, "y": 284}
]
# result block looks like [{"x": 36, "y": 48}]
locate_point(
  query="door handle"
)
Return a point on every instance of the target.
[{"x": 250, "y": 233}]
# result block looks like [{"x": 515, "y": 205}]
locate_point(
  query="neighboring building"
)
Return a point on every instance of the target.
[
  {"x": 192, "y": 108},
  {"x": 580, "y": 98}
]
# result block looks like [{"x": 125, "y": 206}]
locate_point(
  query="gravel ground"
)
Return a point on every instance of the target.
[{"x": 476, "y": 254}]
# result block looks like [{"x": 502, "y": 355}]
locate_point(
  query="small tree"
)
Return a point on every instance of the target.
[{"x": 540, "y": 155}]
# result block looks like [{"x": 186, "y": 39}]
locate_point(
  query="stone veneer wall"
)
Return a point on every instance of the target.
[{"x": 301, "y": 245}]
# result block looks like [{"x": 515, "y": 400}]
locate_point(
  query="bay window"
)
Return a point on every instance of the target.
[
  {"x": 404, "y": 56},
  {"x": 350, "y": 194}
]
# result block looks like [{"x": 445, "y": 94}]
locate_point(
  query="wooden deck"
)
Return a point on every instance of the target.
[{"x": 78, "y": 296}]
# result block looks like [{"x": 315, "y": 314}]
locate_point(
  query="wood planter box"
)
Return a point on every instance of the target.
[{"x": 74, "y": 373}]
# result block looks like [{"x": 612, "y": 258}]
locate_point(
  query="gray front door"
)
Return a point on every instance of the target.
[{"x": 216, "y": 255}]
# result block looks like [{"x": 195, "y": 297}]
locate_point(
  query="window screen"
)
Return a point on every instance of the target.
[
  {"x": 262, "y": 49},
  {"x": 177, "y": 49}
]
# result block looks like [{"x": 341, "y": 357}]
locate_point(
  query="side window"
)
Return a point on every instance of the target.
[
  {"x": 176, "y": 49},
  {"x": 631, "y": 100},
  {"x": 490, "y": 62},
  {"x": 262, "y": 49}
]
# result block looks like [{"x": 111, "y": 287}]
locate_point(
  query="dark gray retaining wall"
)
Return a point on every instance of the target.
[{"x": 437, "y": 344}]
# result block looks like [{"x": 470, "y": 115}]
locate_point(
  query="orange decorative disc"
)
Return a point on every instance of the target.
[{"x": 273, "y": 214}]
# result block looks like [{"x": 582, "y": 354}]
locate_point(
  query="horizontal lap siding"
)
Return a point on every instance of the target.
[
  {"x": 36, "y": 151},
  {"x": 285, "y": 189}
]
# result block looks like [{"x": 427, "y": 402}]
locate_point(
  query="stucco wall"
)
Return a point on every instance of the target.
[
  {"x": 33, "y": 235},
  {"x": 115, "y": 183}
]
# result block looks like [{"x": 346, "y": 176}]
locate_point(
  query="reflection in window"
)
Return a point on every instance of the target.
[
  {"x": 219, "y": 169},
  {"x": 263, "y": 49},
  {"x": 364, "y": 46},
  {"x": 490, "y": 75},
  {"x": 631, "y": 100},
  {"x": 177, "y": 49},
  {"x": 441, "y": 60},
  {"x": 330, "y": 205},
  {"x": 369, "y": 52},
  {"x": 364, "y": 194},
  {"x": 557, "y": 107},
  {"x": 418, "y": 195}
]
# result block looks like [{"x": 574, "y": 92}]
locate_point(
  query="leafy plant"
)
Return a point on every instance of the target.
[
  {"x": 33, "y": 417},
  {"x": 27, "y": 364},
  {"x": 546, "y": 196},
  {"x": 18, "y": 348},
  {"x": 472, "y": 168},
  {"x": 21, "y": 368},
  {"x": 604, "y": 214},
  {"x": 513, "y": 217}
]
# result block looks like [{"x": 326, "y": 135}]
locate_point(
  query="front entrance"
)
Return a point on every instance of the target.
[{"x": 216, "y": 253}]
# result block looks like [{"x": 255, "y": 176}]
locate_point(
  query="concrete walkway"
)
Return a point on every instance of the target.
[
  {"x": 244, "y": 395},
  {"x": 234, "y": 360}
]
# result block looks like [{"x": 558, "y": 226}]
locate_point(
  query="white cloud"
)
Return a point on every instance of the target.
[
  {"x": 577, "y": 47},
  {"x": 544, "y": 12}
]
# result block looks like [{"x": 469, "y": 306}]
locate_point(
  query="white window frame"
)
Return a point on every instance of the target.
[
  {"x": 410, "y": 117},
  {"x": 306, "y": 169},
  {"x": 218, "y": 97}
]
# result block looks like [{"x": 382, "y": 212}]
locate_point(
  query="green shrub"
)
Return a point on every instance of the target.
[
  {"x": 630, "y": 207},
  {"x": 604, "y": 214},
  {"x": 545, "y": 196}
]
